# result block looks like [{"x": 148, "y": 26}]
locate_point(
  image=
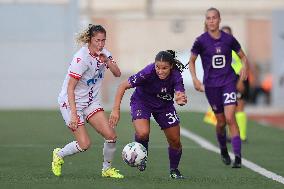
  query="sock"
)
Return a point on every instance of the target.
[
  {"x": 222, "y": 139},
  {"x": 174, "y": 156},
  {"x": 237, "y": 145},
  {"x": 70, "y": 149},
  {"x": 108, "y": 153},
  {"x": 241, "y": 118},
  {"x": 143, "y": 142}
]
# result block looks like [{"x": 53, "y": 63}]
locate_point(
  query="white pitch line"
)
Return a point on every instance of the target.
[{"x": 209, "y": 146}]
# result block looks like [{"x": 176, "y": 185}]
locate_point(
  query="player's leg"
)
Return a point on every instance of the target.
[
  {"x": 174, "y": 150},
  {"x": 81, "y": 143},
  {"x": 142, "y": 132},
  {"x": 241, "y": 118},
  {"x": 99, "y": 121},
  {"x": 235, "y": 136},
  {"x": 141, "y": 122},
  {"x": 242, "y": 87},
  {"x": 230, "y": 102},
  {"x": 222, "y": 137},
  {"x": 169, "y": 122},
  {"x": 214, "y": 97}
]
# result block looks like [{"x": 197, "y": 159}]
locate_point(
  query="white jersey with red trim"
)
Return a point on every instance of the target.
[{"x": 89, "y": 70}]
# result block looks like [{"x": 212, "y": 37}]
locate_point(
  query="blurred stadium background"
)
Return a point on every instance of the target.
[{"x": 37, "y": 44}]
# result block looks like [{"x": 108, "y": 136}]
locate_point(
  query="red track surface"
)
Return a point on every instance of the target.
[{"x": 276, "y": 120}]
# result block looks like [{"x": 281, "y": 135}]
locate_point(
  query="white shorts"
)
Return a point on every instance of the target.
[{"x": 83, "y": 114}]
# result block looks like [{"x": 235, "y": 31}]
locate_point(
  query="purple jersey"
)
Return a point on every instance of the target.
[
  {"x": 216, "y": 57},
  {"x": 153, "y": 91}
]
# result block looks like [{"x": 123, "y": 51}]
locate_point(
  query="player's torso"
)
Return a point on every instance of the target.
[
  {"x": 156, "y": 92},
  {"x": 216, "y": 59},
  {"x": 217, "y": 53},
  {"x": 90, "y": 83},
  {"x": 88, "y": 86},
  {"x": 94, "y": 74}
]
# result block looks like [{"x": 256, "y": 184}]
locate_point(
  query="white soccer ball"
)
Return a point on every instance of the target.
[{"x": 134, "y": 153}]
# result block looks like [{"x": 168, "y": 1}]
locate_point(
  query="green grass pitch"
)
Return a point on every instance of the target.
[{"x": 27, "y": 139}]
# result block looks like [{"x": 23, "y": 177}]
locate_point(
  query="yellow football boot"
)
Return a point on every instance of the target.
[
  {"x": 112, "y": 173},
  {"x": 57, "y": 162}
]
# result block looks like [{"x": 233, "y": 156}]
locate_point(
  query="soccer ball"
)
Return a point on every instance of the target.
[{"x": 134, "y": 153}]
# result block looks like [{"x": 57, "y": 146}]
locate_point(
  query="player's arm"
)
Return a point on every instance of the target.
[
  {"x": 197, "y": 84},
  {"x": 115, "y": 113},
  {"x": 111, "y": 65},
  {"x": 244, "y": 70},
  {"x": 71, "y": 100}
]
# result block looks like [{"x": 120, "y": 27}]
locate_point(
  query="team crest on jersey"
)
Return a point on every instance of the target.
[
  {"x": 78, "y": 60},
  {"x": 218, "y": 50}
]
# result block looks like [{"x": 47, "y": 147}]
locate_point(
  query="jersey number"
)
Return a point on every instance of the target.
[
  {"x": 218, "y": 61},
  {"x": 230, "y": 97},
  {"x": 173, "y": 117}
]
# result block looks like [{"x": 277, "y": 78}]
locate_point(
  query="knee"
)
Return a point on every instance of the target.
[
  {"x": 220, "y": 127},
  {"x": 230, "y": 120},
  {"x": 84, "y": 144},
  {"x": 175, "y": 143},
  {"x": 221, "y": 122}
]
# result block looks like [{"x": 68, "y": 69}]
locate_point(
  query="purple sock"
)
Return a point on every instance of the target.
[
  {"x": 237, "y": 145},
  {"x": 143, "y": 142},
  {"x": 174, "y": 156},
  {"x": 222, "y": 139}
]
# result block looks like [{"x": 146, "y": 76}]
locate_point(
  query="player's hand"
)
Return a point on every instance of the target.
[
  {"x": 240, "y": 86},
  {"x": 244, "y": 73},
  {"x": 198, "y": 85},
  {"x": 103, "y": 58},
  {"x": 114, "y": 118},
  {"x": 74, "y": 122},
  {"x": 180, "y": 98}
]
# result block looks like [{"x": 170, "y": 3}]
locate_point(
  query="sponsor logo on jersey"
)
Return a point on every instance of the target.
[
  {"x": 93, "y": 80},
  {"x": 165, "y": 96}
]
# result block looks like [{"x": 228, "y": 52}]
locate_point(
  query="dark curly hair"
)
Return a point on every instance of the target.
[{"x": 170, "y": 56}]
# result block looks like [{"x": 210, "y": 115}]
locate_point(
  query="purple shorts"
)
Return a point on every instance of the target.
[
  {"x": 166, "y": 117},
  {"x": 218, "y": 97}
]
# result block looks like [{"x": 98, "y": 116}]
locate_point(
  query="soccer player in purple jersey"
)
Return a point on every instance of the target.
[
  {"x": 156, "y": 86},
  {"x": 219, "y": 82}
]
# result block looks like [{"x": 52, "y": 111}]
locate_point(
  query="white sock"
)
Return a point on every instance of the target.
[
  {"x": 108, "y": 152},
  {"x": 70, "y": 149}
]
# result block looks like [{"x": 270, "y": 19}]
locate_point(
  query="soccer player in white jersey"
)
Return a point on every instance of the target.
[{"x": 79, "y": 100}]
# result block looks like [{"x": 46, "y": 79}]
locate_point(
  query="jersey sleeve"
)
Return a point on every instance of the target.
[
  {"x": 141, "y": 77},
  {"x": 196, "y": 47},
  {"x": 179, "y": 86},
  {"x": 235, "y": 45},
  {"x": 77, "y": 67}
]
